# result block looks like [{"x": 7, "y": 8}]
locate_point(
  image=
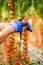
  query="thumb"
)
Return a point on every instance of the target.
[{"x": 29, "y": 28}]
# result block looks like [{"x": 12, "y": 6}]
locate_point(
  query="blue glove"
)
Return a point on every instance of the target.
[
  {"x": 28, "y": 27},
  {"x": 17, "y": 25}
]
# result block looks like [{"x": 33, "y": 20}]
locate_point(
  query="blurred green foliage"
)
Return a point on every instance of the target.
[
  {"x": 38, "y": 4},
  {"x": 22, "y": 6}
]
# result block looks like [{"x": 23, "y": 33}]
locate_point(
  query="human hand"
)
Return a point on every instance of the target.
[{"x": 17, "y": 26}]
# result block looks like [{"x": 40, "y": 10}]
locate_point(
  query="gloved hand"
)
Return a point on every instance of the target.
[
  {"x": 17, "y": 25},
  {"x": 28, "y": 26}
]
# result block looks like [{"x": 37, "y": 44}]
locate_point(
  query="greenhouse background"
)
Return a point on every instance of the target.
[{"x": 33, "y": 10}]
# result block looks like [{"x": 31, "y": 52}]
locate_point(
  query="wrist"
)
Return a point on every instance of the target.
[{"x": 14, "y": 26}]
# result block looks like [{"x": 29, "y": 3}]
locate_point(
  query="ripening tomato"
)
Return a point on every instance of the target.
[
  {"x": 23, "y": 38},
  {"x": 26, "y": 57},
  {"x": 11, "y": 8},
  {"x": 25, "y": 47},
  {"x": 24, "y": 54},
  {"x": 23, "y": 51},
  {"x": 10, "y": 2},
  {"x": 15, "y": 47},
  {"x": 8, "y": 54},
  {"x": 27, "y": 60},
  {"x": 15, "y": 51},
  {"x": 11, "y": 16},
  {"x": 25, "y": 64},
  {"x": 9, "y": 5},
  {"x": 16, "y": 55},
  {"x": 9, "y": 45},
  {"x": 24, "y": 22},
  {"x": 23, "y": 28},
  {"x": 24, "y": 43},
  {"x": 11, "y": 12},
  {"x": 7, "y": 49},
  {"x": 18, "y": 62},
  {"x": 11, "y": 36},
  {"x": 17, "y": 58},
  {"x": 10, "y": 60},
  {"x": 23, "y": 33}
]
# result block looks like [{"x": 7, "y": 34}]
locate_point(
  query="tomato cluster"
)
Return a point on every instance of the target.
[
  {"x": 11, "y": 9},
  {"x": 11, "y": 47},
  {"x": 24, "y": 43}
]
